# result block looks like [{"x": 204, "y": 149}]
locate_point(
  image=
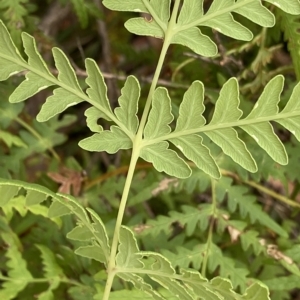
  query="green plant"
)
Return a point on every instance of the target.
[{"x": 152, "y": 138}]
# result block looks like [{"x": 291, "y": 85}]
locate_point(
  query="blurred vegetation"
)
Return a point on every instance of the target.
[{"x": 159, "y": 208}]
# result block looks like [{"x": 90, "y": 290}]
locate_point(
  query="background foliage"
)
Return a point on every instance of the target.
[{"x": 244, "y": 226}]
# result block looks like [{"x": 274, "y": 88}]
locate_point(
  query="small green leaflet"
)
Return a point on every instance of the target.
[
  {"x": 198, "y": 285},
  {"x": 33, "y": 82},
  {"x": 128, "y": 102},
  {"x": 92, "y": 116},
  {"x": 92, "y": 251},
  {"x": 128, "y": 256},
  {"x": 97, "y": 90},
  {"x": 292, "y": 123},
  {"x": 196, "y": 41},
  {"x": 291, "y": 7},
  {"x": 263, "y": 133},
  {"x": 191, "y": 10},
  {"x": 51, "y": 267},
  {"x": 191, "y": 146},
  {"x": 120, "y": 5},
  {"x": 160, "y": 115},
  {"x": 100, "y": 233},
  {"x": 165, "y": 160},
  {"x": 10, "y": 59},
  {"x": 57, "y": 103},
  {"x": 257, "y": 13},
  {"x": 191, "y": 118},
  {"x": 226, "y": 111},
  {"x": 17, "y": 270},
  {"x": 64, "y": 97},
  {"x": 110, "y": 141},
  {"x": 225, "y": 22},
  {"x": 161, "y": 266},
  {"x": 7, "y": 192}
]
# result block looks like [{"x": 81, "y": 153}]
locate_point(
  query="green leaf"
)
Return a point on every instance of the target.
[
  {"x": 34, "y": 197},
  {"x": 257, "y": 291},
  {"x": 7, "y": 193},
  {"x": 59, "y": 102},
  {"x": 128, "y": 256},
  {"x": 162, "y": 266},
  {"x": 33, "y": 82},
  {"x": 132, "y": 5},
  {"x": 100, "y": 232},
  {"x": 227, "y": 110},
  {"x": 128, "y": 101},
  {"x": 160, "y": 115},
  {"x": 191, "y": 118},
  {"x": 196, "y": 41},
  {"x": 238, "y": 197},
  {"x": 283, "y": 283},
  {"x": 292, "y": 123},
  {"x": 263, "y": 133},
  {"x": 234, "y": 147},
  {"x": 110, "y": 141},
  {"x": 62, "y": 97},
  {"x": 92, "y": 251},
  {"x": 165, "y": 160},
  {"x": 57, "y": 209},
  {"x": 251, "y": 238},
  {"x": 97, "y": 90},
  {"x": 225, "y": 23},
  {"x": 132, "y": 294},
  {"x": 191, "y": 11},
  {"x": 138, "y": 283},
  {"x": 48, "y": 295},
  {"x": 80, "y": 233},
  {"x": 195, "y": 282},
  {"x": 257, "y": 13},
  {"x": 191, "y": 146},
  {"x": 156, "y": 26},
  {"x": 51, "y": 267},
  {"x": 17, "y": 270},
  {"x": 10, "y": 58},
  {"x": 92, "y": 116},
  {"x": 140, "y": 26},
  {"x": 10, "y": 139},
  {"x": 292, "y": 7}
]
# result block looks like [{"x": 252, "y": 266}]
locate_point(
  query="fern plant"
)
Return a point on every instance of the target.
[{"x": 152, "y": 138}]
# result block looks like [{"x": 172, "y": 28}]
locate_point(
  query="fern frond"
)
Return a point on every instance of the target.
[
  {"x": 221, "y": 129},
  {"x": 63, "y": 204},
  {"x": 18, "y": 274},
  {"x": 238, "y": 198},
  {"x": 290, "y": 26},
  {"x": 184, "y": 258},
  {"x": 191, "y": 218},
  {"x": 133, "y": 265},
  {"x": 191, "y": 17}
]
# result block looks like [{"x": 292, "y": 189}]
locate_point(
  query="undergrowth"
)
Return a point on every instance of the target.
[{"x": 203, "y": 200}]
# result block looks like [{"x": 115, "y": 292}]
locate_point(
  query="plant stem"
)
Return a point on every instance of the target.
[
  {"x": 114, "y": 246},
  {"x": 136, "y": 148},
  {"x": 168, "y": 36}
]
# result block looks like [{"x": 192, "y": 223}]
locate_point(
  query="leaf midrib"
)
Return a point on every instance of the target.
[{"x": 214, "y": 127}]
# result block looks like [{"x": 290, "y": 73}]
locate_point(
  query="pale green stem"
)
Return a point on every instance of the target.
[
  {"x": 211, "y": 228},
  {"x": 114, "y": 246},
  {"x": 137, "y": 141}
]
